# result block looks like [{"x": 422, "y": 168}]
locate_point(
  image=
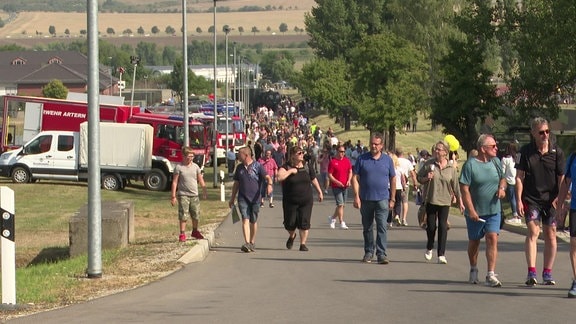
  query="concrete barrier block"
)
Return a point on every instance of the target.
[{"x": 117, "y": 227}]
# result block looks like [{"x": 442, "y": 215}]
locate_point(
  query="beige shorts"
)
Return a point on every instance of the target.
[{"x": 188, "y": 207}]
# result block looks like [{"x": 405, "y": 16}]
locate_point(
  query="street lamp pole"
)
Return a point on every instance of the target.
[
  {"x": 110, "y": 70},
  {"x": 215, "y": 158},
  {"x": 146, "y": 89},
  {"x": 227, "y": 31},
  {"x": 135, "y": 60},
  {"x": 185, "y": 123}
]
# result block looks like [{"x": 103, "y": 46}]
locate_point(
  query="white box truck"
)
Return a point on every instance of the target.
[{"x": 125, "y": 154}]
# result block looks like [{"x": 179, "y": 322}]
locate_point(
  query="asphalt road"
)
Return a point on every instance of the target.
[{"x": 329, "y": 284}]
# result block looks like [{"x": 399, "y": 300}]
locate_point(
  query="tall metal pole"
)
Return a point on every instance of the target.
[
  {"x": 185, "y": 122},
  {"x": 239, "y": 88},
  {"x": 234, "y": 73},
  {"x": 134, "y": 60},
  {"x": 94, "y": 269},
  {"x": 110, "y": 70},
  {"x": 215, "y": 161},
  {"x": 227, "y": 31}
]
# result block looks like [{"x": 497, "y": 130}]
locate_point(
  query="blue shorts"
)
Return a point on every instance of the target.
[
  {"x": 249, "y": 210},
  {"x": 340, "y": 195},
  {"x": 477, "y": 230}
]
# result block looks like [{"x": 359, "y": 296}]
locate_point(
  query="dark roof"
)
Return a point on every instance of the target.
[{"x": 43, "y": 66}]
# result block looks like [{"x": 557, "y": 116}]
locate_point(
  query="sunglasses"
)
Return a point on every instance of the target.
[
  {"x": 542, "y": 132},
  {"x": 490, "y": 146},
  {"x": 300, "y": 153},
  {"x": 341, "y": 151}
]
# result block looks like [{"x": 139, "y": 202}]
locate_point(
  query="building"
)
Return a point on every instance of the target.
[{"x": 27, "y": 72}]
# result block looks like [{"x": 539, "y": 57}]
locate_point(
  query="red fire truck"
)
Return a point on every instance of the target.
[
  {"x": 236, "y": 136},
  {"x": 24, "y": 117}
]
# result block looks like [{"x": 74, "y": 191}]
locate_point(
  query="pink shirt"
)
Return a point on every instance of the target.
[{"x": 270, "y": 166}]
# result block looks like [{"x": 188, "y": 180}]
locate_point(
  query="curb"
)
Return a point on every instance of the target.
[{"x": 199, "y": 251}]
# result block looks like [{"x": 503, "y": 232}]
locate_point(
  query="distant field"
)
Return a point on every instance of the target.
[
  {"x": 27, "y": 24},
  {"x": 36, "y": 24}
]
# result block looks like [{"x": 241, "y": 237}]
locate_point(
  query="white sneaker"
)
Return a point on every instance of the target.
[
  {"x": 343, "y": 225},
  {"x": 428, "y": 255},
  {"x": 513, "y": 221},
  {"x": 325, "y": 191},
  {"x": 473, "y": 279},
  {"x": 404, "y": 223},
  {"x": 442, "y": 260},
  {"x": 332, "y": 222},
  {"x": 492, "y": 281},
  {"x": 397, "y": 220}
]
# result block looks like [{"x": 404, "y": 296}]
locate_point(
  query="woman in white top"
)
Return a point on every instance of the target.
[
  {"x": 509, "y": 169},
  {"x": 396, "y": 212}
]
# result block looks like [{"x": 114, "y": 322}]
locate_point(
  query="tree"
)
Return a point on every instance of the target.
[
  {"x": 326, "y": 82},
  {"x": 283, "y": 28},
  {"x": 67, "y": 32},
  {"x": 277, "y": 66},
  {"x": 155, "y": 30},
  {"x": 177, "y": 78},
  {"x": 83, "y": 32},
  {"x": 127, "y": 31},
  {"x": 255, "y": 30},
  {"x": 55, "y": 89},
  {"x": 199, "y": 30},
  {"x": 52, "y": 30},
  {"x": 465, "y": 97},
  {"x": 170, "y": 30},
  {"x": 543, "y": 34},
  {"x": 196, "y": 85},
  {"x": 268, "y": 29},
  {"x": 110, "y": 31},
  {"x": 226, "y": 28},
  {"x": 140, "y": 30},
  {"x": 427, "y": 24},
  {"x": 1, "y": 23},
  {"x": 240, "y": 29},
  {"x": 389, "y": 75},
  {"x": 336, "y": 26}
]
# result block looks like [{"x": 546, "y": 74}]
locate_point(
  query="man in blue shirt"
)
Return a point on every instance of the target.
[
  {"x": 248, "y": 179},
  {"x": 373, "y": 174}
]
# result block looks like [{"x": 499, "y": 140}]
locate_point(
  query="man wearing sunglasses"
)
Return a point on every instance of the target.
[{"x": 539, "y": 173}]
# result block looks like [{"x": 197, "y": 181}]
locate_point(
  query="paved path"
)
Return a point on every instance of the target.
[{"x": 329, "y": 284}]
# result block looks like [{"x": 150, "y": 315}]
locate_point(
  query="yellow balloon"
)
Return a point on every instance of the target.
[{"x": 452, "y": 142}]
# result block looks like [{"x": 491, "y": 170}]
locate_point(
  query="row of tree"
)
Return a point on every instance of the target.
[
  {"x": 122, "y": 6},
  {"x": 388, "y": 60}
]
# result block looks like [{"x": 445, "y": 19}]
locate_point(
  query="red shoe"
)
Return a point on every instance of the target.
[
  {"x": 197, "y": 235},
  {"x": 182, "y": 237}
]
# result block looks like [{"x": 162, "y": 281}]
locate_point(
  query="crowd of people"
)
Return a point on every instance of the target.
[{"x": 292, "y": 151}]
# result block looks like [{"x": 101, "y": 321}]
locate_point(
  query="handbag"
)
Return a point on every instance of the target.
[{"x": 235, "y": 213}]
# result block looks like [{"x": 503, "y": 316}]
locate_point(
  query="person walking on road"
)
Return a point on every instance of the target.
[
  {"x": 248, "y": 179},
  {"x": 509, "y": 167},
  {"x": 539, "y": 173},
  {"x": 297, "y": 179},
  {"x": 567, "y": 186},
  {"x": 482, "y": 185},
  {"x": 373, "y": 183},
  {"x": 407, "y": 169},
  {"x": 186, "y": 177},
  {"x": 442, "y": 190},
  {"x": 340, "y": 174},
  {"x": 271, "y": 168},
  {"x": 230, "y": 161}
]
